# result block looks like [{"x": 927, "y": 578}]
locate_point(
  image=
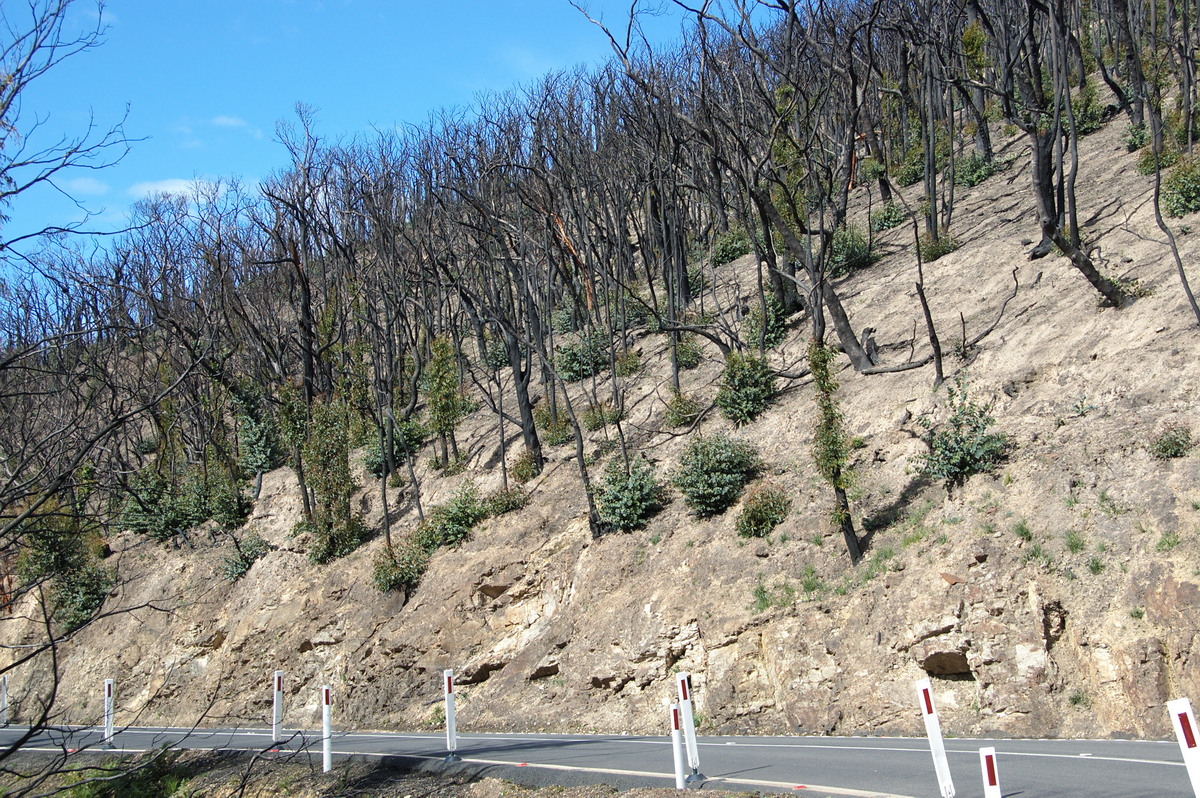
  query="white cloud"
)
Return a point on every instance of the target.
[
  {"x": 224, "y": 120},
  {"x": 172, "y": 185},
  {"x": 86, "y": 185}
]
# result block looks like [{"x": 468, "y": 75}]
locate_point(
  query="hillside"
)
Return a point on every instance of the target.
[{"x": 1055, "y": 597}]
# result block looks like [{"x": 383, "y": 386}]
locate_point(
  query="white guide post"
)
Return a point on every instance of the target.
[
  {"x": 933, "y": 729},
  {"x": 4, "y": 700},
  {"x": 1189, "y": 738},
  {"x": 683, "y": 681},
  {"x": 677, "y": 747},
  {"x": 451, "y": 720},
  {"x": 991, "y": 777},
  {"x": 326, "y": 730},
  {"x": 108, "y": 712},
  {"x": 277, "y": 707}
]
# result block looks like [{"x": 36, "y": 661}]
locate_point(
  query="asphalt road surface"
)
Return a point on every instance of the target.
[{"x": 867, "y": 767}]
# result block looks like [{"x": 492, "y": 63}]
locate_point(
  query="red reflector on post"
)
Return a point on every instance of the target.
[
  {"x": 675, "y": 718},
  {"x": 1189, "y": 736},
  {"x": 928, "y": 701},
  {"x": 991, "y": 771}
]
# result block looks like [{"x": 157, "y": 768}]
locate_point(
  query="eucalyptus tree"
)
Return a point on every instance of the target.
[
  {"x": 1039, "y": 53},
  {"x": 79, "y": 374},
  {"x": 35, "y": 37},
  {"x": 480, "y": 245}
]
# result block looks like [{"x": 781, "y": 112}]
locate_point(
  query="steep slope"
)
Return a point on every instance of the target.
[{"x": 1055, "y": 597}]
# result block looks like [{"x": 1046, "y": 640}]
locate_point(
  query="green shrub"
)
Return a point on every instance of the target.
[
  {"x": 629, "y": 362},
  {"x": 870, "y": 170},
  {"x": 335, "y": 528},
  {"x": 50, "y": 545},
  {"x": 336, "y": 539},
  {"x": 1089, "y": 113},
  {"x": 407, "y": 439},
  {"x": 964, "y": 444},
  {"x": 712, "y": 472},
  {"x": 629, "y": 311},
  {"x": 747, "y": 387},
  {"x": 1168, "y": 156},
  {"x": 764, "y": 509},
  {"x": 1181, "y": 189},
  {"x": 688, "y": 352},
  {"x": 565, "y": 320},
  {"x": 56, "y": 546},
  {"x": 774, "y": 320},
  {"x": 731, "y": 245},
  {"x": 934, "y": 248},
  {"x": 504, "y": 500},
  {"x": 682, "y": 409},
  {"x": 259, "y": 446},
  {"x": 160, "y": 509},
  {"x": 245, "y": 553},
  {"x": 697, "y": 278},
  {"x": 446, "y": 400},
  {"x": 626, "y": 501},
  {"x": 525, "y": 468},
  {"x": 1177, "y": 129},
  {"x": 972, "y": 169},
  {"x": 582, "y": 357},
  {"x": 494, "y": 354},
  {"x": 849, "y": 250},
  {"x": 75, "y": 597},
  {"x": 555, "y": 431},
  {"x": 1174, "y": 441},
  {"x": 890, "y": 215},
  {"x": 1136, "y": 137},
  {"x": 399, "y": 568},
  {"x": 451, "y": 523},
  {"x": 227, "y": 505},
  {"x": 600, "y": 415},
  {"x": 911, "y": 170}
]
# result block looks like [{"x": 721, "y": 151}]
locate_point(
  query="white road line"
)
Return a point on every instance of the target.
[{"x": 852, "y": 793}]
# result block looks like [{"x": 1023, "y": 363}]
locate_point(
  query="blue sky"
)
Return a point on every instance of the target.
[{"x": 206, "y": 81}]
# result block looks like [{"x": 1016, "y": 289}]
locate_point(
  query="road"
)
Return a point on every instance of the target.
[{"x": 865, "y": 767}]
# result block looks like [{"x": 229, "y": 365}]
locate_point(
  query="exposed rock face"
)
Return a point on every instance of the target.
[
  {"x": 542, "y": 635},
  {"x": 1057, "y": 597}
]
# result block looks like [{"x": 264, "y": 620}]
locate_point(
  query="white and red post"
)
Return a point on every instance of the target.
[
  {"x": 326, "y": 729},
  {"x": 991, "y": 777},
  {"x": 933, "y": 729},
  {"x": 277, "y": 707},
  {"x": 1188, "y": 735},
  {"x": 677, "y": 747},
  {"x": 4, "y": 700},
  {"x": 108, "y": 712},
  {"x": 683, "y": 680},
  {"x": 451, "y": 719}
]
